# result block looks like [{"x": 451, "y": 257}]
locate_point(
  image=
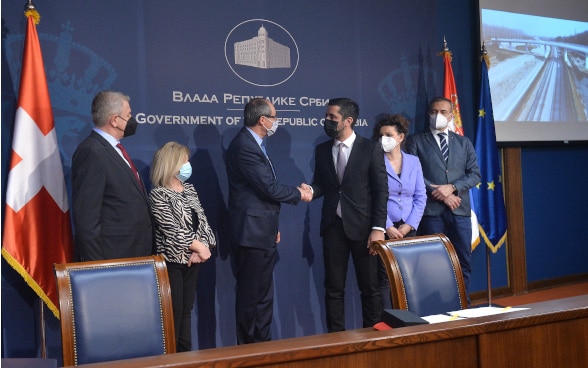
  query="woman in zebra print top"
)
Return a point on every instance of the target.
[{"x": 182, "y": 233}]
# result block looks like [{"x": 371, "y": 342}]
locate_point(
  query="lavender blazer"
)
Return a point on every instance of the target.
[{"x": 406, "y": 195}]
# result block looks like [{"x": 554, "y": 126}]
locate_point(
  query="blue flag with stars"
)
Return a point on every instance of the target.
[{"x": 488, "y": 196}]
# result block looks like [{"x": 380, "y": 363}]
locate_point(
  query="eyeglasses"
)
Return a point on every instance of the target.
[
  {"x": 269, "y": 116},
  {"x": 118, "y": 116}
]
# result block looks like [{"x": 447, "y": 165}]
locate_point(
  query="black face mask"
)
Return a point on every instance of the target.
[
  {"x": 131, "y": 127},
  {"x": 330, "y": 127}
]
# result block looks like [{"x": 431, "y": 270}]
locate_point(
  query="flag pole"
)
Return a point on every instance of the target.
[
  {"x": 488, "y": 263},
  {"x": 43, "y": 331},
  {"x": 489, "y": 276},
  {"x": 30, "y": 10},
  {"x": 488, "y": 267}
]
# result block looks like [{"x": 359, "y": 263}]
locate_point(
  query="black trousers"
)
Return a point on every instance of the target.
[
  {"x": 183, "y": 281},
  {"x": 336, "y": 250},
  {"x": 255, "y": 293}
]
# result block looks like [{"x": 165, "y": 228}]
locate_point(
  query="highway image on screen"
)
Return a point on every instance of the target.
[{"x": 538, "y": 67}]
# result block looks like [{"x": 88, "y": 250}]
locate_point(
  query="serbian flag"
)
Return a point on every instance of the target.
[
  {"x": 37, "y": 230},
  {"x": 450, "y": 93},
  {"x": 450, "y": 90}
]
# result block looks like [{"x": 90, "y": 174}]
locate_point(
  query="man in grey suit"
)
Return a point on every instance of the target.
[
  {"x": 255, "y": 195},
  {"x": 110, "y": 207},
  {"x": 351, "y": 175},
  {"x": 450, "y": 169}
]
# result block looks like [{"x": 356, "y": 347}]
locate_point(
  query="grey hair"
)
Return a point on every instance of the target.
[
  {"x": 106, "y": 104},
  {"x": 254, "y": 110}
]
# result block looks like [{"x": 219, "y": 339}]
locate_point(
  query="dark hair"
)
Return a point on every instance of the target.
[
  {"x": 254, "y": 110},
  {"x": 439, "y": 99},
  {"x": 347, "y": 108},
  {"x": 398, "y": 121}
]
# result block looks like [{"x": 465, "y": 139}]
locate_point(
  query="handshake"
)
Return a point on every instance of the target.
[{"x": 305, "y": 192}]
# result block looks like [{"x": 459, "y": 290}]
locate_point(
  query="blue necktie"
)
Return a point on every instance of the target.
[
  {"x": 266, "y": 156},
  {"x": 444, "y": 148}
]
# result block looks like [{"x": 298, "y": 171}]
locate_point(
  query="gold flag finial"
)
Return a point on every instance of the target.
[
  {"x": 30, "y": 11},
  {"x": 445, "y": 52},
  {"x": 485, "y": 56}
]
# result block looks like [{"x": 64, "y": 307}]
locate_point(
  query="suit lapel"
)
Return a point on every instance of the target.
[
  {"x": 450, "y": 146},
  {"x": 121, "y": 162},
  {"x": 435, "y": 146},
  {"x": 253, "y": 142},
  {"x": 355, "y": 156},
  {"x": 390, "y": 169},
  {"x": 324, "y": 155}
]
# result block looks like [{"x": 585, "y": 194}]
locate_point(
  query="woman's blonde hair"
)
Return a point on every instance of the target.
[{"x": 167, "y": 162}]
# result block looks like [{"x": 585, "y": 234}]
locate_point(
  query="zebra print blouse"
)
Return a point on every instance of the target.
[{"x": 174, "y": 229}]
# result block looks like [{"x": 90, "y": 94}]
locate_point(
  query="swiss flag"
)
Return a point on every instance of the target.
[{"x": 37, "y": 230}]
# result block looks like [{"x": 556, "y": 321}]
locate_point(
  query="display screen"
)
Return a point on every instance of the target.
[{"x": 538, "y": 68}]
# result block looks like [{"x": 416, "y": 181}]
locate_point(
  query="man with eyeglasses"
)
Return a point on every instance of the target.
[
  {"x": 255, "y": 195},
  {"x": 450, "y": 169},
  {"x": 110, "y": 206}
]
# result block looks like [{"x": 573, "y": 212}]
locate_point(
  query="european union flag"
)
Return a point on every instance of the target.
[{"x": 488, "y": 195}]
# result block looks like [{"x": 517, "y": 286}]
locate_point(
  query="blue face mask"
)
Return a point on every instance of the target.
[{"x": 185, "y": 172}]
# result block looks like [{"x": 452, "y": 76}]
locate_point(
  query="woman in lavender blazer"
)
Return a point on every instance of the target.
[{"x": 406, "y": 187}]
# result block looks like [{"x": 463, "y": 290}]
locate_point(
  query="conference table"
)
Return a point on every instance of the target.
[{"x": 547, "y": 334}]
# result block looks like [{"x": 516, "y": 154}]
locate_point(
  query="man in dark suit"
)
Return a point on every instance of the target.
[
  {"x": 110, "y": 207},
  {"x": 448, "y": 180},
  {"x": 353, "y": 212},
  {"x": 254, "y": 206}
]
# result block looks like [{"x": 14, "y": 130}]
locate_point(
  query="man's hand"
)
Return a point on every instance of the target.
[
  {"x": 452, "y": 201},
  {"x": 374, "y": 235},
  {"x": 305, "y": 192},
  {"x": 441, "y": 191}
]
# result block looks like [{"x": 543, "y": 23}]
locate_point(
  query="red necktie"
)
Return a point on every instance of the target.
[{"x": 128, "y": 158}]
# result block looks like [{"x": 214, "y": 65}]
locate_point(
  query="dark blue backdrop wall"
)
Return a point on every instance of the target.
[{"x": 176, "y": 60}]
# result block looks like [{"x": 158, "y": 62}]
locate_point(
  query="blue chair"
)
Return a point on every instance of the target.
[
  {"x": 115, "y": 309},
  {"x": 424, "y": 273}
]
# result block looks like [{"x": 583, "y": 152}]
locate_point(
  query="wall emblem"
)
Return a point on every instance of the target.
[{"x": 261, "y": 52}]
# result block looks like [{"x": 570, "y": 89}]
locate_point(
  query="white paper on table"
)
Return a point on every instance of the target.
[
  {"x": 436, "y": 318},
  {"x": 483, "y": 311}
]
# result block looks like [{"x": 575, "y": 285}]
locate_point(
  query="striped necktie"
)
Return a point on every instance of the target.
[{"x": 444, "y": 147}]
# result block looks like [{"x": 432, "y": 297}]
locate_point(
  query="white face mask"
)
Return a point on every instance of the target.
[
  {"x": 451, "y": 125},
  {"x": 438, "y": 121},
  {"x": 271, "y": 131},
  {"x": 388, "y": 143}
]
